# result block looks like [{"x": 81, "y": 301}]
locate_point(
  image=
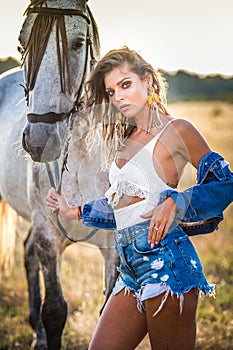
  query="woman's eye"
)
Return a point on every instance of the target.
[
  {"x": 126, "y": 84},
  {"x": 110, "y": 93}
]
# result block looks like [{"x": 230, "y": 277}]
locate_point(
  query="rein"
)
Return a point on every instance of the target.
[
  {"x": 57, "y": 184},
  {"x": 58, "y": 178}
]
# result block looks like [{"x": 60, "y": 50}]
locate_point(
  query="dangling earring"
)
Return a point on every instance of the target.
[
  {"x": 153, "y": 97},
  {"x": 153, "y": 100}
]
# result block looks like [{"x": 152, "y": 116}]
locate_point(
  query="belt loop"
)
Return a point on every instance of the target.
[{"x": 127, "y": 235}]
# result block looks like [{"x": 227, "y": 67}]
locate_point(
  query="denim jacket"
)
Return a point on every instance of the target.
[{"x": 199, "y": 208}]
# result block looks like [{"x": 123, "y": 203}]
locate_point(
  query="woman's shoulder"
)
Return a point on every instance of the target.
[
  {"x": 190, "y": 140},
  {"x": 183, "y": 126},
  {"x": 181, "y": 123}
]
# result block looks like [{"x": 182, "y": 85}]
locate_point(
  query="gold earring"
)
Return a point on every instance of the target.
[
  {"x": 153, "y": 118},
  {"x": 153, "y": 97}
]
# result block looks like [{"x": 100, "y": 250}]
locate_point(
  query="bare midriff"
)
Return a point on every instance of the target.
[{"x": 126, "y": 200}]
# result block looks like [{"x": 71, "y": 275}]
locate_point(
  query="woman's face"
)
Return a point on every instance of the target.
[{"x": 126, "y": 91}]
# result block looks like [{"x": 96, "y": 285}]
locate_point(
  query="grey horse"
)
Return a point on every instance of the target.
[{"x": 59, "y": 43}]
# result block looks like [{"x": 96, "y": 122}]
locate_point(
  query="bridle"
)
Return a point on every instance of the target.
[{"x": 56, "y": 16}]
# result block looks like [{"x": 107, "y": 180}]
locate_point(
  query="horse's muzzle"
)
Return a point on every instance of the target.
[{"x": 41, "y": 142}]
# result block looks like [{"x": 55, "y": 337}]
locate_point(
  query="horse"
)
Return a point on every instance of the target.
[{"x": 59, "y": 43}]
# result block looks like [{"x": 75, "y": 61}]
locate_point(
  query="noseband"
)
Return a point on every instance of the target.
[{"x": 56, "y": 15}]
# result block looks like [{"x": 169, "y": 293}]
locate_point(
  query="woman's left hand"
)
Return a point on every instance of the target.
[{"x": 161, "y": 219}]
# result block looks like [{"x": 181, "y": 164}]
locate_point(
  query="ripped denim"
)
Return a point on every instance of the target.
[{"x": 172, "y": 267}]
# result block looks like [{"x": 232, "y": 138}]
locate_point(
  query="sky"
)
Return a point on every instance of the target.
[{"x": 195, "y": 35}]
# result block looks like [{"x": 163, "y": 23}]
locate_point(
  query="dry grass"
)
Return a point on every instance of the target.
[
  {"x": 213, "y": 119},
  {"x": 82, "y": 266}
]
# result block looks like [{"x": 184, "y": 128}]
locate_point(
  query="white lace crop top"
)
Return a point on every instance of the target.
[{"x": 136, "y": 178}]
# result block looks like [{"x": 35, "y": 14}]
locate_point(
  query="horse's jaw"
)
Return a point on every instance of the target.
[{"x": 41, "y": 141}]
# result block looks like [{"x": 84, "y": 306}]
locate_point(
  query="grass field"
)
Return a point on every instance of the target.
[{"x": 82, "y": 265}]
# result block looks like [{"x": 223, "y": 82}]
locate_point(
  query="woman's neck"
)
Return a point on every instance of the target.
[{"x": 142, "y": 121}]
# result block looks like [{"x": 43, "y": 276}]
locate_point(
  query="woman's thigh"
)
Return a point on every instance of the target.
[
  {"x": 171, "y": 328},
  {"x": 121, "y": 325}
]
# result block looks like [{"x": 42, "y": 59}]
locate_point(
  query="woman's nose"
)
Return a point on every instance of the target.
[{"x": 118, "y": 95}]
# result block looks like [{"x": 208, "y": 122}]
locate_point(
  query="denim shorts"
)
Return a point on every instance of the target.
[{"x": 172, "y": 267}]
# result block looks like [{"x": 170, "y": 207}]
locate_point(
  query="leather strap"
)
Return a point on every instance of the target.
[{"x": 57, "y": 186}]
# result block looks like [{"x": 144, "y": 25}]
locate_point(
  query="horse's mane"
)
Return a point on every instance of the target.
[{"x": 95, "y": 32}]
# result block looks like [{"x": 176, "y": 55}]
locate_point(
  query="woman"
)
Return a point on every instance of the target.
[{"x": 160, "y": 272}]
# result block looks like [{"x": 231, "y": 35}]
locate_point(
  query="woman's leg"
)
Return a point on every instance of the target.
[
  {"x": 121, "y": 325},
  {"x": 170, "y": 330}
]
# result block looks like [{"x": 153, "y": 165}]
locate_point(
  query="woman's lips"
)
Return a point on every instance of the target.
[{"x": 124, "y": 108}]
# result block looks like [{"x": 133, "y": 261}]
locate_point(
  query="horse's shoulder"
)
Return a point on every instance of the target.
[
  {"x": 10, "y": 82},
  {"x": 12, "y": 73}
]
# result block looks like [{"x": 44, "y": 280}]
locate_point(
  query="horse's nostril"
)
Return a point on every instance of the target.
[{"x": 24, "y": 142}]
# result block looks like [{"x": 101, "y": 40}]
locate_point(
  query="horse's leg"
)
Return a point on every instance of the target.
[
  {"x": 54, "y": 308},
  {"x": 31, "y": 264},
  {"x": 111, "y": 261}
]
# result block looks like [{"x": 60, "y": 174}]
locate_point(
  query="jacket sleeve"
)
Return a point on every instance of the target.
[{"x": 211, "y": 195}]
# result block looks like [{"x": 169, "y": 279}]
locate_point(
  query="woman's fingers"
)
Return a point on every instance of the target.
[
  {"x": 52, "y": 204},
  {"x": 157, "y": 231},
  {"x": 53, "y": 194},
  {"x": 52, "y": 200}
]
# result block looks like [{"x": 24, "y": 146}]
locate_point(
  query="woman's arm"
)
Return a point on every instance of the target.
[
  {"x": 189, "y": 142},
  {"x": 198, "y": 199}
]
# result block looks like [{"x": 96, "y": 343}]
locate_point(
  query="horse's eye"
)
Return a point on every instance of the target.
[{"x": 77, "y": 44}]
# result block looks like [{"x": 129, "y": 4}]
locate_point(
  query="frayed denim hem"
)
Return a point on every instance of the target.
[{"x": 201, "y": 290}]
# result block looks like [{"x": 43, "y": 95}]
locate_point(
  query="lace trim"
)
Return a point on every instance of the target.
[{"x": 125, "y": 187}]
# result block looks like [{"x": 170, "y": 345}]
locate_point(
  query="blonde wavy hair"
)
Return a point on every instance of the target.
[{"x": 103, "y": 116}]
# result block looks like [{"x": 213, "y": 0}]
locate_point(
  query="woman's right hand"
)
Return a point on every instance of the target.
[{"x": 57, "y": 202}]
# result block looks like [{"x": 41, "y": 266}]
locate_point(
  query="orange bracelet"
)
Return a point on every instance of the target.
[{"x": 76, "y": 211}]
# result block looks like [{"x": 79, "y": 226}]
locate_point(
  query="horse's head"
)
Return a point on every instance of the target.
[{"x": 58, "y": 41}]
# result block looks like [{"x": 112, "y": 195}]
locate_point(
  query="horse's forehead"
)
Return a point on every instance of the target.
[
  {"x": 76, "y": 4},
  {"x": 74, "y": 23}
]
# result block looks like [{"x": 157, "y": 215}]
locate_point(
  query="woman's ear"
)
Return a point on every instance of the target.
[{"x": 148, "y": 79}]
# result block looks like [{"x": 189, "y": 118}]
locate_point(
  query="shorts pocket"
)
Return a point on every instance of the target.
[
  {"x": 189, "y": 255},
  {"x": 141, "y": 245},
  {"x": 124, "y": 266}
]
